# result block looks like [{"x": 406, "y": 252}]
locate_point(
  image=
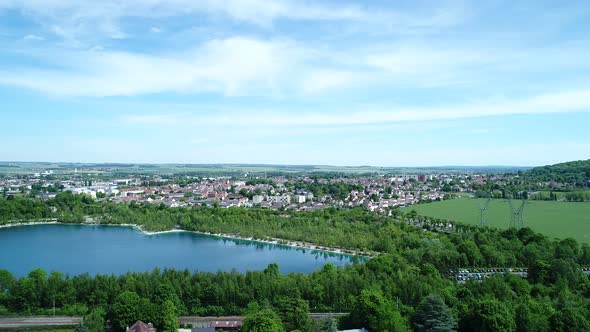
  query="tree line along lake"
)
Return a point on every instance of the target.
[{"x": 99, "y": 249}]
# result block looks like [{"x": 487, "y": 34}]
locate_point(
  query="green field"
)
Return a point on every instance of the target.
[{"x": 554, "y": 219}]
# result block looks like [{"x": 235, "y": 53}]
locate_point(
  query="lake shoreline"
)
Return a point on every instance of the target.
[{"x": 272, "y": 241}]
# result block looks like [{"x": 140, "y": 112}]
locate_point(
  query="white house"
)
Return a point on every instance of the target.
[
  {"x": 299, "y": 199},
  {"x": 257, "y": 199}
]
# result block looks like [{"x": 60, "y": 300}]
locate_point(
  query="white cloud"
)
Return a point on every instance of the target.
[
  {"x": 231, "y": 66},
  {"x": 33, "y": 38},
  {"x": 278, "y": 67},
  {"x": 323, "y": 80},
  {"x": 561, "y": 102},
  {"x": 369, "y": 118},
  {"x": 87, "y": 19},
  {"x": 428, "y": 65},
  {"x": 270, "y": 66},
  {"x": 254, "y": 11},
  {"x": 151, "y": 119}
]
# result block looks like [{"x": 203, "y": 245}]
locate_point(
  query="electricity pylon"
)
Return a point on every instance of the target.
[
  {"x": 516, "y": 214},
  {"x": 483, "y": 211}
]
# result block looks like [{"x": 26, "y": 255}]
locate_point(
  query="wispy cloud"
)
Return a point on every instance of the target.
[
  {"x": 151, "y": 119},
  {"x": 278, "y": 67},
  {"x": 322, "y": 80},
  {"x": 343, "y": 80},
  {"x": 85, "y": 18},
  {"x": 231, "y": 66},
  {"x": 370, "y": 117},
  {"x": 33, "y": 38},
  {"x": 561, "y": 102}
]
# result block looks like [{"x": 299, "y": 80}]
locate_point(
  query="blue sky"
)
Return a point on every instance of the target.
[{"x": 386, "y": 83}]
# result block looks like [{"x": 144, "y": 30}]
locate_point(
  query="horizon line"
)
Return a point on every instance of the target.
[{"x": 266, "y": 164}]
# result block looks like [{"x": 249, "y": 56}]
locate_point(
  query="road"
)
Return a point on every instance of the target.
[
  {"x": 35, "y": 322},
  {"x": 27, "y": 322}
]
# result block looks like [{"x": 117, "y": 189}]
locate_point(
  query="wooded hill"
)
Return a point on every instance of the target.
[{"x": 575, "y": 173}]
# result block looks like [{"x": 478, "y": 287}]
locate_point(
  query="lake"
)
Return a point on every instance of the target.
[{"x": 76, "y": 249}]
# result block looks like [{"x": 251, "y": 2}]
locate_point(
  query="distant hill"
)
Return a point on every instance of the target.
[
  {"x": 16, "y": 167},
  {"x": 571, "y": 172}
]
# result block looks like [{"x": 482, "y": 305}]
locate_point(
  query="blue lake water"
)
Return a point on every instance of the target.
[{"x": 76, "y": 249}]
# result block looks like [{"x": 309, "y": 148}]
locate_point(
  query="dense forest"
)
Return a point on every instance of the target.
[
  {"x": 576, "y": 173},
  {"x": 406, "y": 287}
]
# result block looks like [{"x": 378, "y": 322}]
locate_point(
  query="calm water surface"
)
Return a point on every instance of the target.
[{"x": 77, "y": 249}]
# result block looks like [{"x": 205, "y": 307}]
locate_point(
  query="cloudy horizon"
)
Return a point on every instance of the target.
[{"x": 295, "y": 82}]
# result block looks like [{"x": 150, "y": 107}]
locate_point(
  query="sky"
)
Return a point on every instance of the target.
[{"x": 382, "y": 83}]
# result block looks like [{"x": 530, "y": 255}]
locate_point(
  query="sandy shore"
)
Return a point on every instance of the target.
[
  {"x": 269, "y": 240},
  {"x": 31, "y": 223},
  {"x": 288, "y": 243}
]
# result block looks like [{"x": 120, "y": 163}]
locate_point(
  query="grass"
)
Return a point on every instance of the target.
[{"x": 554, "y": 219}]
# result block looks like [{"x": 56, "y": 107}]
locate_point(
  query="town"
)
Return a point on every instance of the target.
[{"x": 305, "y": 192}]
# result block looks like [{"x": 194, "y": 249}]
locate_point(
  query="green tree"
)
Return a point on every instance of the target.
[
  {"x": 23, "y": 297},
  {"x": 168, "y": 317},
  {"x": 488, "y": 315},
  {"x": 265, "y": 320},
  {"x": 373, "y": 311},
  {"x": 570, "y": 320},
  {"x": 7, "y": 282},
  {"x": 434, "y": 315},
  {"x": 294, "y": 313},
  {"x": 165, "y": 292},
  {"x": 95, "y": 321},
  {"x": 38, "y": 279},
  {"x": 532, "y": 316},
  {"x": 470, "y": 252},
  {"x": 126, "y": 310},
  {"x": 328, "y": 325}
]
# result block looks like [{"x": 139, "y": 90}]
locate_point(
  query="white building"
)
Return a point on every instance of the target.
[
  {"x": 299, "y": 199},
  {"x": 257, "y": 199},
  {"x": 284, "y": 199},
  {"x": 307, "y": 194},
  {"x": 85, "y": 191}
]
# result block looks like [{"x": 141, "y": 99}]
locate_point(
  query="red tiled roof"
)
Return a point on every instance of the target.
[{"x": 140, "y": 326}]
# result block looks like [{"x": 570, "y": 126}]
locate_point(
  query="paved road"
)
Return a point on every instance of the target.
[
  {"x": 28, "y": 322},
  {"x": 24, "y": 322}
]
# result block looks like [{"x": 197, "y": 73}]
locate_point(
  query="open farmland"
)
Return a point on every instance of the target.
[{"x": 554, "y": 219}]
